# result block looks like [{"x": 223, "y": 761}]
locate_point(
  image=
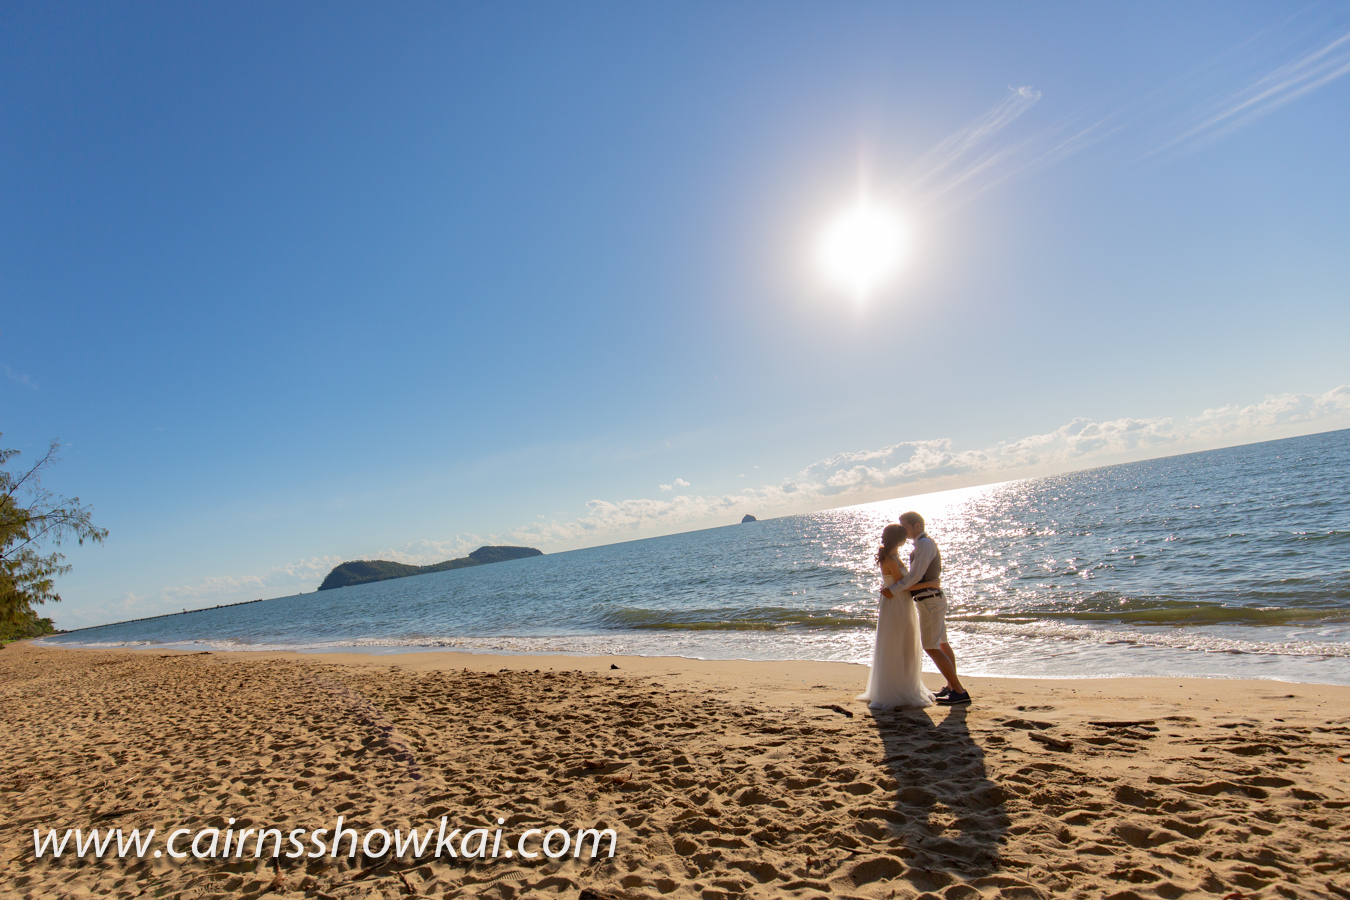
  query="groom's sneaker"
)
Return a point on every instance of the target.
[
  {"x": 945, "y": 692},
  {"x": 955, "y": 699}
]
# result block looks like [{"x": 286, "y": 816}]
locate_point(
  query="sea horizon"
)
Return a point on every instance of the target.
[
  {"x": 1129, "y": 569},
  {"x": 920, "y": 495}
]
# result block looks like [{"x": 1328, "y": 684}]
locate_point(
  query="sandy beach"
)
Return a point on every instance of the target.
[{"x": 718, "y": 779}]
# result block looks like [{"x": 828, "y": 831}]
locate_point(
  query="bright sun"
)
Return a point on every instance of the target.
[{"x": 863, "y": 247}]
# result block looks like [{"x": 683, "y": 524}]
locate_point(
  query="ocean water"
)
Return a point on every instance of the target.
[{"x": 1228, "y": 563}]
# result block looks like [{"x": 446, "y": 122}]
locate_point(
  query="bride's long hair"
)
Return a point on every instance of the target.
[{"x": 892, "y": 536}]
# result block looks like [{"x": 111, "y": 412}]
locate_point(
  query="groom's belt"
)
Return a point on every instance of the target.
[{"x": 927, "y": 593}]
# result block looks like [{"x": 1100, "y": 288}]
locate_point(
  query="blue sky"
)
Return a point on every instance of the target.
[{"x": 301, "y": 283}]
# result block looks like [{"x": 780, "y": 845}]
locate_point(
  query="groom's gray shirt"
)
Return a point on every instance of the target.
[{"x": 925, "y": 563}]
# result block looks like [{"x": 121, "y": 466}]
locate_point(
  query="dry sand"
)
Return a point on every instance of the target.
[{"x": 720, "y": 779}]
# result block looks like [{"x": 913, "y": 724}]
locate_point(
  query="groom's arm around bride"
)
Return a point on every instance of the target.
[{"x": 925, "y": 566}]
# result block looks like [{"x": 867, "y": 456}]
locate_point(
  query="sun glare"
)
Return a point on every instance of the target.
[{"x": 863, "y": 247}]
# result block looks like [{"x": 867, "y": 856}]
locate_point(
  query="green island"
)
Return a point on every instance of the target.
[{"x": 362, "y": 571}]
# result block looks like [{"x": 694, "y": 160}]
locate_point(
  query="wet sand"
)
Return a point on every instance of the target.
[{"x": 719, "y": 779}]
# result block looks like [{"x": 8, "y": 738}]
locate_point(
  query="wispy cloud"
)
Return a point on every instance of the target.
[
  {"x": 278, "y": 581},
  {"x": 1309, "y": 70},
  {"x": 679, "y": 483},
  {"x": 992, "y": 149},
  {"x": 425, "y": 552},
  {"x": 19, "y": 378},
  {"x": 964, "y": 156},
  {"x": 849, "y": 477},
  {"x": 299, "y": 576},
  {"x": 1265, "y": 72},
  {"x": 931, "y": 465}
]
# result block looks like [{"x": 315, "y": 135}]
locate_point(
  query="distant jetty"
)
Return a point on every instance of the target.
[
  {"x": 364, "y": 571},
  {"x": 185, "y": 612},
  {"x": 748, "y": 518}
]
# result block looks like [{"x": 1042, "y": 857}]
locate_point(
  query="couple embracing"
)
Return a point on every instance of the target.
[{"x": 913, "y": 615}]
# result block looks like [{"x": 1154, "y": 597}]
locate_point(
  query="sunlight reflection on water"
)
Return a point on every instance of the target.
[{"x": 1233, "y": 562}]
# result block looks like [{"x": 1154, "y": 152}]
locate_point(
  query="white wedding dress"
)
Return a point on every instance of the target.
[{"x": 897, "y": 658}]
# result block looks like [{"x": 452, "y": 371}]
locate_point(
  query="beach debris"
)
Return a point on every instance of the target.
[
  {"x": 1026, "y": 724},
  {"x": 115, "y": 813},
  {"x": 1137, "y": 723},
  {"x": 1051, "y": 742},
  {"x": 612, "y": 666},
  {"x": 593, "y": 894},
  {"x": 278, "y": 880},
  {"x": 835, "y": 707}
]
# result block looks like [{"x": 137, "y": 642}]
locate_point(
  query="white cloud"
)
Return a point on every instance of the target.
[
  {"x": 911, "y": 466},
  {"x": 851, "y": 477},
  {"x": 300, "y": 575},
  {"x": 424, "y": 552},
  {"x": 278, "y": 581},
  {"x": 679, "y": 483}
]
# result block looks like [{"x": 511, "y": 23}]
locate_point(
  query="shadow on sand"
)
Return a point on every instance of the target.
[{"x": 948, "y": 814}]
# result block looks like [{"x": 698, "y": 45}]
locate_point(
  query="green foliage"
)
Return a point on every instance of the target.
[
  {"x": 33, "y": 519},
  {"x": 30, "y": 627},
  {"x": 502, "y": 554},
  {"x": 362, "y": 571}
]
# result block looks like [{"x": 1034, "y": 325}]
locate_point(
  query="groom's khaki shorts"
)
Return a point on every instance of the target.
[{"x": 932, "y": 621}]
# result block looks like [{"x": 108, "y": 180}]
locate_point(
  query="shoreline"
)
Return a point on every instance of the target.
[
  {"x": 780, "y": 679},
  {"x": 721, "y": 779},
  {"x": 440, "y": 658}
]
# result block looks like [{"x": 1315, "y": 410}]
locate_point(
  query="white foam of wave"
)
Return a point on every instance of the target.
[
  {"x": 1210, "y": 639},
  {"x": 852, "y": 645},
  {"x": 994, "y": 649}
]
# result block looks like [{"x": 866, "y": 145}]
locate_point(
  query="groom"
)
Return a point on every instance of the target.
[{"x": 925, "y": 564}]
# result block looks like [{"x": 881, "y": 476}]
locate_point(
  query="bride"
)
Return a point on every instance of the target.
[{"x": 897, "y": 658}]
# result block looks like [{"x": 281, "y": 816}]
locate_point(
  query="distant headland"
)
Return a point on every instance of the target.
[
  {"x": 748, "y": 518},
  {"x": 363, "y": 571}
]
